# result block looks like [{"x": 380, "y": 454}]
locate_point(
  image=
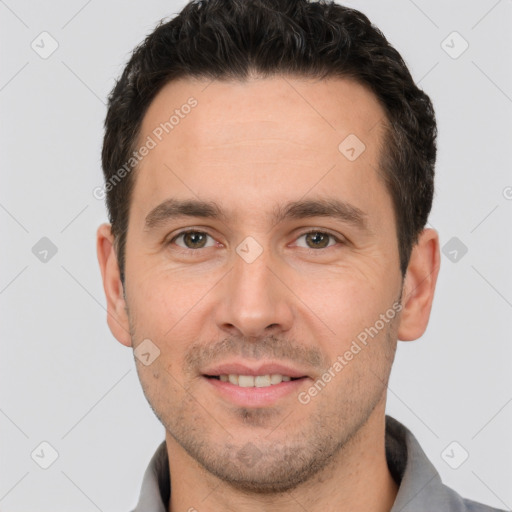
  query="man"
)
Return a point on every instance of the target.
[{"x": 269, "y": 174}]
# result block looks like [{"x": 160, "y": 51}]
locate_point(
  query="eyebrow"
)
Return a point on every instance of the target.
[{"x": 333, "y": 208}]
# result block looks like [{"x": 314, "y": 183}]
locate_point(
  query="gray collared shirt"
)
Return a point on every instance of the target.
[{"x": 420, "y": 486}]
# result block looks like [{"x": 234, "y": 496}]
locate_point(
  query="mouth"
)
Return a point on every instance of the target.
[
  {"x": 254, "y": 381},
  {"x": 262, "y": 386}
]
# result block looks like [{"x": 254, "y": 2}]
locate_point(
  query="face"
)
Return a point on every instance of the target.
[{"x": 262, "y": 261}]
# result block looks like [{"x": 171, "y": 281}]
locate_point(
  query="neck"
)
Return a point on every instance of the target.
[{"x": 356, "y": 480}]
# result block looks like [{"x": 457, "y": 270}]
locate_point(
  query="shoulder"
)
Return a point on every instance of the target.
[
  {"x": 420, "y": 486},
  {"x": 474, "y": 506}
]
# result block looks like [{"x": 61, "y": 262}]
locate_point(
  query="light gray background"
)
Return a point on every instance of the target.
[{"x": 67, "y": 381}]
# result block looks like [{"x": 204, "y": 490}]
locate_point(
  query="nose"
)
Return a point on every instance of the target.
[{"x": 254, "y": 300}]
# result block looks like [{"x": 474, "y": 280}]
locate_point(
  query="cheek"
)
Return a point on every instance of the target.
[
  {"x": 164, "y": 301},
  {"x": 345, "y": 300},
  {"x": 161, "y": 386}
]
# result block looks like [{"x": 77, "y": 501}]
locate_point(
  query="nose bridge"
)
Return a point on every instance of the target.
[
  {"x": 254, "y": 299},
  {"x": 252, "y": 279}
]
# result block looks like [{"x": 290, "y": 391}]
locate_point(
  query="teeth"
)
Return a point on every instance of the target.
[
  {"x": 245, "y": 381},
  {"x": 276, "y": 379},
  {"x": 260, "y": 381}
]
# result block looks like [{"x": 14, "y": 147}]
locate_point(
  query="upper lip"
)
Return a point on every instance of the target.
[{"x": 269, "y": 368}]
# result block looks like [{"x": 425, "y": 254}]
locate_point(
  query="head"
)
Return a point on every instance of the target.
[{"x": 291, "y": 143}]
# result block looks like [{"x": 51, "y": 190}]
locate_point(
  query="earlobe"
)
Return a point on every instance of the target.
[
  {"x": 117, "y": 317},
  {"x": 419, "y": 286}
]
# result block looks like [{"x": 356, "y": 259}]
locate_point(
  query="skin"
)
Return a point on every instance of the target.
[{"x": 249, "y": 147}]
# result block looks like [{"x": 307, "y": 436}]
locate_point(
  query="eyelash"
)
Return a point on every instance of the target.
[{"x": 308, "y": 249}]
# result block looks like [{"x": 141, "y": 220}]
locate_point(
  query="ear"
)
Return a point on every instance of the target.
[
  {"x": 419, "y": 285},
  {"x": 117, "y": 316}
]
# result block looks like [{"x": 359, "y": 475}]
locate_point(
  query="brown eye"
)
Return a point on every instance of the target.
[{"x": 318, "y": 240}]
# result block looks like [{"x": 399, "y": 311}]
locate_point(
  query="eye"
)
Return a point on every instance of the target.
[
  {"x": 193, "y": 239},
  {"x": 317, "y": 239}
]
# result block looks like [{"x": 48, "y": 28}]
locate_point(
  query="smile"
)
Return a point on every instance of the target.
[{"x": 257, "y": 381}]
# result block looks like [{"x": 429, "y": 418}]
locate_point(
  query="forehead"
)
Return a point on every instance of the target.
[
  {"x": 332, "y": 106},
  {"x": 264, "y": 139}
]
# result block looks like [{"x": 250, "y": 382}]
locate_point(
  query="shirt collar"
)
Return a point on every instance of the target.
[{"x": 420, "y": 486}]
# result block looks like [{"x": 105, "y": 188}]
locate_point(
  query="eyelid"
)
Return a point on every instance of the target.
[{"x": 324, "y": 231}]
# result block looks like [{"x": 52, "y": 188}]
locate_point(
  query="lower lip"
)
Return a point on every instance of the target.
[{"x": 255, "y": 397}]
